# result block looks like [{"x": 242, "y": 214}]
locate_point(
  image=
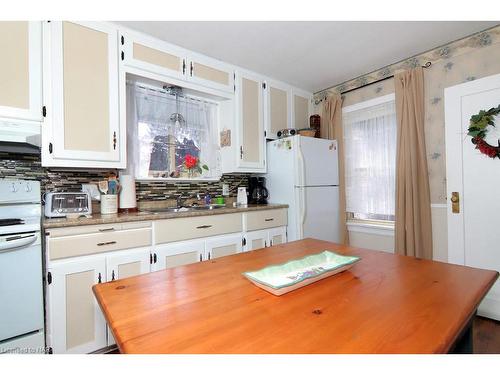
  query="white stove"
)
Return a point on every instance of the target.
[{"x": 21, "y": 281}]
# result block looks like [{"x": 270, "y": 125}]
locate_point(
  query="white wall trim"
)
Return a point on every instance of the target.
[
  {"x": 369, "y": 103},
  {"x": 380, "y": 230}
]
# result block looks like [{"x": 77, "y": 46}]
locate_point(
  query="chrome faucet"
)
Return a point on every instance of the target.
[{"x": 180, "y": 198}]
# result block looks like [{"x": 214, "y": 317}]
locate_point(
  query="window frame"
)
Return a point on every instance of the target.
[
  {"x": 197, "y": 96},
  {"x": 350, "y": 216}
]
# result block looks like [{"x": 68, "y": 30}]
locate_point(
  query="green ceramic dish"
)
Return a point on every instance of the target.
[{"x": 297, "y": 271}]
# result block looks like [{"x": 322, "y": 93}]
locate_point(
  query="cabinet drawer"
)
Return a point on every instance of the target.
[
  {"x": 93, "y": 243},
  {"x": 266, "y": 219},
  {"x": 98, "y": 228},
  {"x": 195, "y": 227}
]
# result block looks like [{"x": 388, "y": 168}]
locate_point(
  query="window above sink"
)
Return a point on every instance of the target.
[{"x": 172, "y": 135}]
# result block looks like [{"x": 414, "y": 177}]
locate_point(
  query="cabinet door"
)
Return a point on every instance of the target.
[
  {"x": 256, "y": 239},
  {"x": 250, "y": 120},
  {"x": 277, "y": 108},
  {"x": 20, "y": 70},
  {"x": 277, "y": 236},
  {"x": 124, "y": 264},
  {"x": 153, "y": 55},
  {"x": 81, "y": 95},
  {"x": 76, "y": 323},
  {"x": 221, "y": 246},
  {"x": 301, "y": 108},
  {"x": 211, "y": 73},
  {"x": 178, "y": 254}
]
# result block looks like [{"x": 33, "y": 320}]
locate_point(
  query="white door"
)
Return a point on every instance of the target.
[
  {"x": 317, "y": 161},
  {"x": 250, "y": 120},
  {"x": 319, "y": 213},
  {"x": 277, "y": 104},
  {"x": 81, "y": 95},
  {"x": 277, "y": 236},
  {"x": 221, "y": 246},
  {"x": 473, "y": 232},
  {"x": 20, "y": 70},
  {"x": 124, "y": 264},
  {"x": 178, "y": 254},
  {"x": 301, "y": 108},
  {"x": 256, "y": 239},
  {"x": 75, "y": 321},
  {"x": 210, "y": 73},
  {"x": 152, "y": 55}
]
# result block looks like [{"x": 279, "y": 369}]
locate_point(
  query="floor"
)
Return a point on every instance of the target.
[{"x": 486, "y": 336}]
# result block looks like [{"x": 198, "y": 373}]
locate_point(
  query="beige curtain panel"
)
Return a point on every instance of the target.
[
  {"x": 413, "y": 207},
  {"x": 331, "y": 128}
]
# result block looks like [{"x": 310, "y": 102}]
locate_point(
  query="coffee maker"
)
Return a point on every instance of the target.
[{"x": 257, "y": 192}]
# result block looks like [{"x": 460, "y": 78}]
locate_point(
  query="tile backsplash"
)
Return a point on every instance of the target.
[{"x": 29, "y": 167}]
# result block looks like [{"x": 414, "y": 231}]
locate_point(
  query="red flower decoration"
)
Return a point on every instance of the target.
[{"x": 190, "y": 161}]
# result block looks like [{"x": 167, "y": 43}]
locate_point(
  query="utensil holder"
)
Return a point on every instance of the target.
[{"x": 109, "y": 204}]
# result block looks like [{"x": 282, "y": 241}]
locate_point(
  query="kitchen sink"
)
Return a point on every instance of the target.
[
  {"x": 208, "y": 207},
  {"x": 185, "y": 209}
]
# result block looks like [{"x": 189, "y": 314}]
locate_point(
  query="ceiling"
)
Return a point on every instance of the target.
[{"x": 310, "y": 55}]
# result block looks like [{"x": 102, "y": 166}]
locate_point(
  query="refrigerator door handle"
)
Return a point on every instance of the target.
[{"x": 302, "y": 167}]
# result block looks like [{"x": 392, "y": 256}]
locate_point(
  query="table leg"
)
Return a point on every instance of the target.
[{"x": 464, "y": 343}]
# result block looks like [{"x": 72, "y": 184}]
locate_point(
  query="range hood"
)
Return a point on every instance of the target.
[{"x": 19, "y": 137}]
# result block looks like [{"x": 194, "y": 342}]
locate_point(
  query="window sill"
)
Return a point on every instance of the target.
[
  {"x": 180, "y": 179},
  {"x": 371, "y": 228}
]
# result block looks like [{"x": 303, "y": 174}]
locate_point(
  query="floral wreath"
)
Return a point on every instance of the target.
[{"x": 478, "y": 130}]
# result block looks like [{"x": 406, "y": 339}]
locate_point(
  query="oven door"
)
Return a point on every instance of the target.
[{"x": 21, "y": 298}]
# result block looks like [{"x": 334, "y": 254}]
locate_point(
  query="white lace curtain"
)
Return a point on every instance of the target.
[
  {"x": 153, "y": 133},
  {"x": 370, "y": 161}
]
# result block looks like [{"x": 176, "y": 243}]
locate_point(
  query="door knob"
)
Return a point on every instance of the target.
[{"x": 455, "y": 202}]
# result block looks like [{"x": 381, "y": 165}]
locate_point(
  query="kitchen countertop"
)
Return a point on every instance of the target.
[{"x": 148, "y": 215}]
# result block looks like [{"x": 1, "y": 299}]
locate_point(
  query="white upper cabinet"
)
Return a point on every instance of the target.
[
  {"x": 211, "y": 73},
  {"x": 277, "y": 107},
  {"x": 20, "y": 70},
  {"x": 152, "y": 55},
  {"x": 250, "y": 122},
  {"x": 301, "y": 108},
  {"x": 81, "y": 94},
  {"x": 147, "y": 54}
]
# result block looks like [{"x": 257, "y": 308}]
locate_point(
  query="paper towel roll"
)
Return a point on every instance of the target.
[{"x": 127, "y": 192}]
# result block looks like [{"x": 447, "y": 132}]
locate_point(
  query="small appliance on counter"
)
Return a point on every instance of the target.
[
  {"x": 62, "y": 204},
  {"x": 258, "y": 193},
  {"x": 286, "y": 133}
]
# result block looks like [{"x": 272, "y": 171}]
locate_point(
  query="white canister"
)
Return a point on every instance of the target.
[
  {"x": 241, "y": 198},
  {"x": 109, "y": 204}
]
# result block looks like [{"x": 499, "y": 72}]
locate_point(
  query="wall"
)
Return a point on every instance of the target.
[
  {"x": 464, "y": 60},
  {"x": 29, "y": 167}
]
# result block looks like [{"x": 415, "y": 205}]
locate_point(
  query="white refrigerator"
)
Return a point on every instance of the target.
[{"x": 303, "y": 173}]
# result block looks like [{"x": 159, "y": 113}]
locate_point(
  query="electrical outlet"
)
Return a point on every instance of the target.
[{"x": 225, "y": 189}]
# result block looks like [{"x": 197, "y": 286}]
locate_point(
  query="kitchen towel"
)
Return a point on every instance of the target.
[{"x": 127, "y": 193}]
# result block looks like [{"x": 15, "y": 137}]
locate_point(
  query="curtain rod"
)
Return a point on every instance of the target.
[{"x": 316, "y": 102}]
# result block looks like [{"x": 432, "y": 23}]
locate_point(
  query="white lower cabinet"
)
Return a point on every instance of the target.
[
  {"x": 177, "y": 254},
  {"x": 223, "y": 245},
  {"x": 75, "y": 321},
  {"x": 124, "y": 264},
  {"x": 258, "y": 239}
]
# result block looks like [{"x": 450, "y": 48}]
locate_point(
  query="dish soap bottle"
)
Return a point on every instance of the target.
[{"x": 208, "y": 198}]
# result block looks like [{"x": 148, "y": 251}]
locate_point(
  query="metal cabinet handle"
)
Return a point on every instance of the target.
[
  {"x": 106, "y": 243},
  {"x": 99, "y": 278},
  {"x": 201, "y": 258},
  {"x": 203, "y": 226},
  {"x": 272, "y": 219},
  {"x": 107, "y": 229},
  {"x": 113, "y": 275}
]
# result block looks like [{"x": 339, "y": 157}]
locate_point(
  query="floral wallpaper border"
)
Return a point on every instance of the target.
[{"x": 447, "y": 51}]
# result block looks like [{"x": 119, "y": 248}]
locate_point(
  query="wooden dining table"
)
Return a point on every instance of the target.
[{"x": 385, "y": 303}]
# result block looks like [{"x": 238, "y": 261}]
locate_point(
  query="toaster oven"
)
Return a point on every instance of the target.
[{"x": 63, "y": 204}]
